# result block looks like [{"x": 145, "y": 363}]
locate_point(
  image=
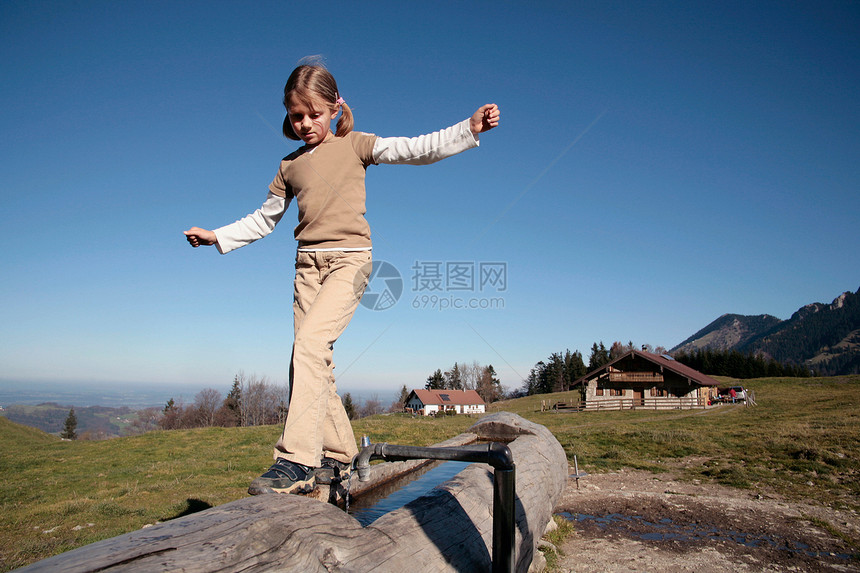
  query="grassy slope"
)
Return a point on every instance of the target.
[
  {"x": 16, "y": 433},
  {"x": 802, "y": 440}
]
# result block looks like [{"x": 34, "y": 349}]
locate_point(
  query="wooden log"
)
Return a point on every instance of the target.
[{"x": 449, "y": 529}]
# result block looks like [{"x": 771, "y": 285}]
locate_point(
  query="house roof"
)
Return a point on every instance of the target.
[
  {"x": 663, "y": 362},
  {"x": 449, "y": 397}
]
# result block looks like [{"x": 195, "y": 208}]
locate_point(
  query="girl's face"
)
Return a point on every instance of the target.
[{"x": 312, "y": 123}]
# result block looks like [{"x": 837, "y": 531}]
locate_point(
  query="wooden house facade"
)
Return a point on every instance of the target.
[{"x": 641, "y": 379}]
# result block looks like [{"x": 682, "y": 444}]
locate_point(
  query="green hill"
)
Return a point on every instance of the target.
[
  {"x": 802, "y": 440},
  {"x": 22, "y": 436}
]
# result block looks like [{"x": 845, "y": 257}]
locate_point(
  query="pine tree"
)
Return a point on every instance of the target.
[
  {"x": 599, "y": 356},
  {"x": 71, "y": 425},
  {"x": 349, "y": 406},
  {"x": 554, "y": 372},
  {"x": 233, "y": 404},
  {"x": 435, "y": 381},
  {"x": 404, "y": 395},
  {"x": 453, "y": 378},
  {"x": 574, "y": 367},
  {"x": 530, "y": 384},
  {"x": 560, "y": 371}
]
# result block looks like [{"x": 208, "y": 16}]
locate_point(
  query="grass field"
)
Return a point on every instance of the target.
[{"x": 802, "y": 441}]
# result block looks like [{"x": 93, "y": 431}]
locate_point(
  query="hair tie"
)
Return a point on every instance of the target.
[{"x": 340, "y": 101}]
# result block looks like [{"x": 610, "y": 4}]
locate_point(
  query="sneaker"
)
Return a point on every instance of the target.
[
  {"x": 284, "y": 477},
  {"x": 332, "y": 470}
]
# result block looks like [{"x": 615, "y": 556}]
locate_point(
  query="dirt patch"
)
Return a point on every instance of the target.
[{"x": 638, "y": 521}]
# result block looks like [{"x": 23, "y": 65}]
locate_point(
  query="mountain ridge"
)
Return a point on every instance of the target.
[{"x": 823, "y": 337}]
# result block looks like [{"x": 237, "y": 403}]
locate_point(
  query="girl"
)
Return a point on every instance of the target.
[{"x": 333, "y": 262}]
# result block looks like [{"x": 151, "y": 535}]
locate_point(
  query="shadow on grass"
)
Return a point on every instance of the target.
[{"x": 192, "y": 505}]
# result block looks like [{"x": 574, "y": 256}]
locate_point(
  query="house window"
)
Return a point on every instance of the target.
[
  {"x": 659, "y": 392},
  {"x": 599, "y": 392},
  {"x": 445, "y": 397},
  {"x": 616, "y": 392}
]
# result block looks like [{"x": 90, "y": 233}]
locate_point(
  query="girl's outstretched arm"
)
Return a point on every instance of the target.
[
  {"x": 485, "y": 119},
  {"x": 430, "y": 148},
  {"x": 197, "y": 236}
]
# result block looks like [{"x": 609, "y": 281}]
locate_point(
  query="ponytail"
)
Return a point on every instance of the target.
[{"x": 345, "y": 122}]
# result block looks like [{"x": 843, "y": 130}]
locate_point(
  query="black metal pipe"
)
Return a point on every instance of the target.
[{"x": 504, "y": 484}]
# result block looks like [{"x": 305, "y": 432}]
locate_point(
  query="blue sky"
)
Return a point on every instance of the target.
[{"x": 659, "y": 164}]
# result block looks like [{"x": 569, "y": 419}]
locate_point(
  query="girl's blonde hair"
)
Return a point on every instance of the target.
[{"x": 312, "y": 84}]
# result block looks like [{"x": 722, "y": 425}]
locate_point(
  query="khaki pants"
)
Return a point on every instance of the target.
[{"x": 328, "y": 288}]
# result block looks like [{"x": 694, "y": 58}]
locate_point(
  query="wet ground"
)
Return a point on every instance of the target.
[{"x": 636, "y": 521}]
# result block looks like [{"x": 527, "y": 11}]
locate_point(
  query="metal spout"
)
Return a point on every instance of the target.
[{"x": 504, "y": 483}]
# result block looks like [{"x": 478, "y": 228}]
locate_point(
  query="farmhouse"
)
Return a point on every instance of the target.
[
  {"x": 427, "y": 402},
  {"x": 644, "y": 380}
]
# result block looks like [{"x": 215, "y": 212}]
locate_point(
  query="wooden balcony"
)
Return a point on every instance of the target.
[{"x": 647, "y": 377}]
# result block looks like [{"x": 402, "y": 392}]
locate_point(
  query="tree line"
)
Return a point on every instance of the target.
[
  {"x": 558, "y": 372},
  {"x": 555, "y": 374},
  {"x": 474, "y": 376},
  {"x": 252, "y": 401},
  {"x": 736, "y": 364}
]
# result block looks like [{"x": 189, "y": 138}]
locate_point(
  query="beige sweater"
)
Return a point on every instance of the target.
[
  {"x": 327, "y": 181},
  {"x": 328, "y": 184}
]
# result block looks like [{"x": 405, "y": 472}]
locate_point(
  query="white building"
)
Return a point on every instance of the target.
[{"x": 429, "y": 402}]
